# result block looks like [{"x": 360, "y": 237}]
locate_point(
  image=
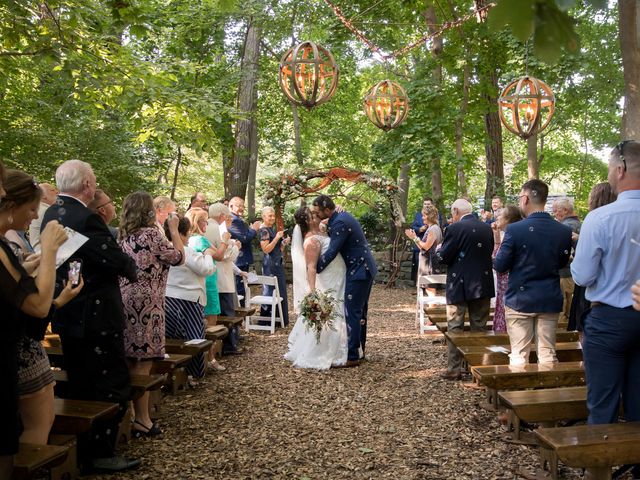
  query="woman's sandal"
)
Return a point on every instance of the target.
[{"x": 148, "y": 432}]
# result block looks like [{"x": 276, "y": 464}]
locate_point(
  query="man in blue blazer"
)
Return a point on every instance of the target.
[
  {"x": 245, "y": 234},
  {"x": 466, "y": 250},
  {"x": 533, "y": 251},
  {"x": 347, "y": 238}
]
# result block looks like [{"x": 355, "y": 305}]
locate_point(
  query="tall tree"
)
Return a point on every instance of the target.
[
  {"x": 629, "y": 13},
  {"x": 237, "y": 174}
]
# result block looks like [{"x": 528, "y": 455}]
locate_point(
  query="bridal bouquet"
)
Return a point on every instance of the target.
[{"x": 318, "y": 310}]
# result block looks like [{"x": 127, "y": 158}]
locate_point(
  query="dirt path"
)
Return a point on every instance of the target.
[{"x": 390, "y": 418}]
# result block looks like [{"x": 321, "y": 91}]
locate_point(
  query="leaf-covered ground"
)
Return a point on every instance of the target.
[{"x": 390, "y": 418}]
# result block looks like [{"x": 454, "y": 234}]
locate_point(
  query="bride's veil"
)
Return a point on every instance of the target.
[{"x": 300, "y": 284}]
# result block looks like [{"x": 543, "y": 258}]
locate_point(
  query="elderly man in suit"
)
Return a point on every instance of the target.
[
  {"x": 533, "y": 252},
  {"x": 91, "y": 325},
  {"x": 466, "y": 250}
]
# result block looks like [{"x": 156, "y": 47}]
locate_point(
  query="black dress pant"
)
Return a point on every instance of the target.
[{"x": 98, "y": 370}]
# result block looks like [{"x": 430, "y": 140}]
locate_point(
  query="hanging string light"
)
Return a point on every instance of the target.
[
  {"x": 308, "y": 75},
  {"x": 526, "y": 106},
  {"x": 386, "y": 105}
]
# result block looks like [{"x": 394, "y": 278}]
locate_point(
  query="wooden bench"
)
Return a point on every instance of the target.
[
  {"x": 532, "y": 375},
  {"x": 545, "y": 406},
  {"x": 31, "y": 458},
  {"x": 76, "y": 416},
  {"x": 443, "y": 326},
  {"x": 173, "y": 366},
  {"x": 484, "y": 355},
  {"x": 245, "y": 311},
  {"x": 139, "y": 383},
  {"x": 230, "y": 322},
  {"x": 596, "y": 447},
  {"x": 181, "y": 347},
  {"x": 461, "y": 339}
]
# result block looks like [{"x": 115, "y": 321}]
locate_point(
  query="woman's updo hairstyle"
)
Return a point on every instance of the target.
[
  {"x": 301, "y": 218},
  {"x": 21, "y": 189}
]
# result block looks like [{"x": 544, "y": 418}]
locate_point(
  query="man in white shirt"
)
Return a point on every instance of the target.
[{"x": 49, "y": 193}]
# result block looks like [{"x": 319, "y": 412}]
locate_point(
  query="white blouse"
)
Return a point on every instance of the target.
[{"x": 187, "y": 281}]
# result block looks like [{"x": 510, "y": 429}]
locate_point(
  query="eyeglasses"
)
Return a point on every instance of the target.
[
  {"x": 104, "y": 204},
  {"x": 620, "y": 148}
]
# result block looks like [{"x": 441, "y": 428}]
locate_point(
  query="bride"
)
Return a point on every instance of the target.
[{"x": 307, "y": 245}]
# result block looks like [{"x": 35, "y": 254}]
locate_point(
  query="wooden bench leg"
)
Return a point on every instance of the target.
[
  {"x": 155, "y": 401},
  {"x": 549, "y": 461},
  {"x": 178, "y": 380},
  {"x": 598, "y": 473},
  {"x": 69, "y": 469},
  {"x": 513, "y": 423},
  {"x": 124, "y": 432}
]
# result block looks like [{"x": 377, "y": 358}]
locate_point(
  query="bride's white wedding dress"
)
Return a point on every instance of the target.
[{"x": 304, "y": 350}]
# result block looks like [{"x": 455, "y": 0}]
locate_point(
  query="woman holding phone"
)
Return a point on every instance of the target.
[{"x": 25, "y": 374}]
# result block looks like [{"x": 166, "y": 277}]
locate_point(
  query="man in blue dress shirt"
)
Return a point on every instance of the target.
[
  {"x": 607, "y": 262},
  {"x": 533, "y": 252}
]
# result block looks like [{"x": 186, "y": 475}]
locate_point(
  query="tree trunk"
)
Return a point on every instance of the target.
[
  {"x": 462, "y": 180},
  {"x": 533, "y": 165},
  {"x": 253, "y": 168},
  {"x": 175, "y": 173},
  {"x": 436, "y": 50},
  {"x": 247, "y": 105},
  {"x": 629, "y": 12},
  {"x": 403, "y": 184},
  {"x": 296, "y": 133}
]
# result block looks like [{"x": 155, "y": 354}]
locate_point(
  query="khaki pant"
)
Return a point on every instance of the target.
[
  {"x": 523, "y": 328},
  {"x": 567, "y": 286},
  {"x": 478, "y": 317}
]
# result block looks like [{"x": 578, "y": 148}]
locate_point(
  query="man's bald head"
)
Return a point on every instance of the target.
[{"x": 49, "y": 193}]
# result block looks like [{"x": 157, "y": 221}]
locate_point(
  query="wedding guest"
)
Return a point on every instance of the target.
[
  {"x": 418, "y": 227},
  {"x": 20, "y": 295},
  {"x": 607, "y": 263},
  {"x": 431, "y": 239},
  {"x": 49, "y": 193},
  {"x": 199, "y": 243},
  {"x": 143, "y": 300},
  {"x": 35, "y": 379},
  {"x": 186, "y": 295},
  {"x": 506, "y": 216},
  {"x": 601, "y": 194},
  {"x": 466, "y": 250},
  {"x": 492, "y": 216},
  {"x": 163, "y": 207},
  {"x": 219, "y": 220},
  {"x": 533, "y": 251},
  {"x": 563, "y": 212},
  {"x": 272, "y": 244},
  {"x": 198, "y": 200},
  {"x": 91, "y": 325},
  {"x": 243, "y": 233},
  {"x": 106, "y": 210}
]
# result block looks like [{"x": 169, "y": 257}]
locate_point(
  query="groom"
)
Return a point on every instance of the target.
[{"x": 348, "y": 239}]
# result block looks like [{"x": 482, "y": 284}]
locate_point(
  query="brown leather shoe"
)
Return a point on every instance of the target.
[{"x": 451, "y": 375}]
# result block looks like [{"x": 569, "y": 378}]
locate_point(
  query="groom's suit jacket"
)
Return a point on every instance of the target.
[{"x": 348, "y": 239}]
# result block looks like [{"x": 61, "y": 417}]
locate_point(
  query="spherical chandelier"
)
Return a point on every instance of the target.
[
  {"x": 386, "y": 105},
  {"x": 526, "y": 106},
  {"x": 308, "y": 75}
]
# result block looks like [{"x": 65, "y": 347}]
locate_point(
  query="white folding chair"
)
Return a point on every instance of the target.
[
  {"x": 423, "y": 299},
  {"x": 274, "y": 300}
]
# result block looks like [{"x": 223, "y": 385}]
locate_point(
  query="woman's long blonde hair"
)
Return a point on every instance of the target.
[{"x": 137, "y": 213}]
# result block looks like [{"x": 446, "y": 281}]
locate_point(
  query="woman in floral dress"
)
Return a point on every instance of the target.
[
  {"x": 144, "y": 300},
  {"x": 507, "y": 215}
]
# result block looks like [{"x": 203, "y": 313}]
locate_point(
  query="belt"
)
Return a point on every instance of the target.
[{"x": 600, "y": 304}]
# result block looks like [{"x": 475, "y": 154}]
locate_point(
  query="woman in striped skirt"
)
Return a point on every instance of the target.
[{"x": 186, "y": 297}]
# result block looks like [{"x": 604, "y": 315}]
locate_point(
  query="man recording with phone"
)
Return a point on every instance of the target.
[{"x": 91, "y": 325}]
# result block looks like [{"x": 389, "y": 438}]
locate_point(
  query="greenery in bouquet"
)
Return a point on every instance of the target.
[{"x": 319, "y": 310}]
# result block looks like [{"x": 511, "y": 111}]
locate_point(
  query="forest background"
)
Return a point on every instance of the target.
[{"x": 178, "y": 96}]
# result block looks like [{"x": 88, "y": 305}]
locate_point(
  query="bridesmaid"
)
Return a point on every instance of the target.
[{"x": 272, "y": 244}]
